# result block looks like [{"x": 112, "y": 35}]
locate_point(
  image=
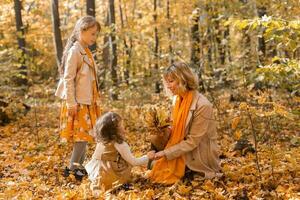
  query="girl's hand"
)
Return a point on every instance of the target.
[
  {"x": 72, "y": 111},
  {"x": 151, "y": 155},
  {"x": 159, "y": 155}
]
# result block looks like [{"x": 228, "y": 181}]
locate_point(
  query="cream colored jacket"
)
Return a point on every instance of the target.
[
  {"x": 199, "y": 146},
  {"x": 76, "y": 84}
]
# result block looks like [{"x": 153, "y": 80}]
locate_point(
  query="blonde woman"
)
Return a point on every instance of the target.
[
  {"x": 78, "y": 89},
  {"x": 192, "y": 145}
]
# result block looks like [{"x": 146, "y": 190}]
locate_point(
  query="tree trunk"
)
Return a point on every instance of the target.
[
  {"x": 195, "y": 40},
  {"x": 156, "y": 47},
  {"x": 219, "y": 38},
  {"x": 127, "y": 48},
  {"x": 261, "y": 11},
  {"x": 20, "y": 79},
  {"x": 209, "y": 44},
  {"x": 114, "y": 60},
  {"x": 227, "y": 45},
  {"x": 209, "y": 38},
  {"x": 171, "y": 60},
  {"x": 105, "y": 55},
  {"x": 56, "y": 31},
  {"x": 195, "y": 46},
  {"x": 90, "y": 10}
]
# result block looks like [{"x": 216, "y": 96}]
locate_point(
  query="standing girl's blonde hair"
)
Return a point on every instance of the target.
[
  {"x": 82, "y": 24},
  {"x": 79, "y": 91}
]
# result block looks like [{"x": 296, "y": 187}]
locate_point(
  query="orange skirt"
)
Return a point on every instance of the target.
[{"x": 80, "y": 127}]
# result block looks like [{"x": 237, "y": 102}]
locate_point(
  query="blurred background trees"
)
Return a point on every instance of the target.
[
  {"x": 225, "y": 42},
  {"x": 232, "y": 45}
]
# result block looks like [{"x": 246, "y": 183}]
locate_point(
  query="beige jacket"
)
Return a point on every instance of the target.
[
  {"x": 76, "y": 84},
  {"x": 199, "y": 146},
  {"x": 114, "y": 169}
]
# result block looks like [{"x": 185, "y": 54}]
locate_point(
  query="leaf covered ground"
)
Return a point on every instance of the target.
[{"x": 32, "y": 156}]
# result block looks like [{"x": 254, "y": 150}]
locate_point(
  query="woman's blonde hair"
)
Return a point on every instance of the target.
[
  {"x": 107, "y": 128},
  {"x": 82, "y": 24},
  {"x": 181, "y": 72}
]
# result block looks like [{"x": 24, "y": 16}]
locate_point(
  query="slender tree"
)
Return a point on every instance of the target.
[
  {"x": 171, "y": 60},
  {"x": 261, "y": 11},
  {"x": 195, "y": 46},
  {"x": 195, "y": 39},
  {"x": 105, "y": 55},
  {"x": 128, "y": 48},
  {"x": 156, "y": 45},
  {"x": 113, "y": 45},
  {"x": 56, "y": 31},
  {"x": 90, "y": 10},
  {"x": 21, "y": 80}
]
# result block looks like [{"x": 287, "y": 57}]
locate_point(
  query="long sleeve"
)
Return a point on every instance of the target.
[
  {"x": 126, "y": 154},
  {"x": 199, "y": 128},
  {"x": 98, "y": 151},
  {"x": 70, "y": 75}
]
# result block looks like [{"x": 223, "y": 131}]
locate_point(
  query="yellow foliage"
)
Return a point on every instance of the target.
[
  {"x": 237, "y": 134},
  {"x": 148, "y": 194},
  {"x": 235, "y": 122},
  {"x": 243, "y": 106},
  {"x": 156, "y": 118},
  {"x": 208, "y": 186},
  {"x": 182, "y": 189}
]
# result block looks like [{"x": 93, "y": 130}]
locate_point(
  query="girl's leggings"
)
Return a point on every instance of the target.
[{"x": 78, "y": 155}]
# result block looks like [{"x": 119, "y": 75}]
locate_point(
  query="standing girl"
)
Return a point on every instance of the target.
[
  {"x": 78, "y": 89},
  {"x": 112, "y": 160}
]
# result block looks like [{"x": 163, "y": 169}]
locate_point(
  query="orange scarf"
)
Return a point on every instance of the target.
[
  {"x": 90, "y": 56},
  {"x": 170, "y": 171},
  {"x": 95, "y": 82}
]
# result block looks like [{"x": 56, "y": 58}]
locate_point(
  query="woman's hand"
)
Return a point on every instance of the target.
[
  {"x": 159, "y": 155},
  {"x": 72, "y": 111},
  {"x": 151, "y": 155}
]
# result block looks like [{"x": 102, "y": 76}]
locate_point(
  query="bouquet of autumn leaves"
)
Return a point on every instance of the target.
[{"x": 158, "y": 124}]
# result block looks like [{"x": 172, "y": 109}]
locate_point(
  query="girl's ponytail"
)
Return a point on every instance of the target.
[{"x": 72, "y": 39}]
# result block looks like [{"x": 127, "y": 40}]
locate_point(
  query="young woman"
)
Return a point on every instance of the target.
[{"x": 193, "y": 141}]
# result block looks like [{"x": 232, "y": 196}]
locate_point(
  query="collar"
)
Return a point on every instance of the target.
[
  {"x": 83, "y": 53},
  {"x": 80, "y": 47},
  {"x": 195, "y": 100}
]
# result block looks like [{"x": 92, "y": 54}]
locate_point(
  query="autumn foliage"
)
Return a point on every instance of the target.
[{"x": 245, "y": 53}]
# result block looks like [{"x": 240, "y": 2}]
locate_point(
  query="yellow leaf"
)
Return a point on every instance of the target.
[
  {"x": 243, "y": 106},
  {"x": 219, "y": 196},
  {"x": 262, "y": 100},
  {"x": 132, "y": 196},
  {"x": 235, "y": 122},
  {"x": 148, "y": 194},
  {"x": 195, "y": 183},
  {"x": 280, "y": 189},
  {"x": 237, "y": 134},
  {"x": 291, "y": 160},
  {"x": 296, "y": 99},
  {"x": 182, "y": 189},
  {"x": 208, "y": 186}
]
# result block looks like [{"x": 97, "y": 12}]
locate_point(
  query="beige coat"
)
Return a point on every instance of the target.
[
  {"x": 76, "y": 84},
  {"x": 199, "y": 146},
  {"x": 114, "y": 169}
]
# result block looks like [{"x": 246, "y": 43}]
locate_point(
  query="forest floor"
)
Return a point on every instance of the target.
[{"x": 32, "y": 158}]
